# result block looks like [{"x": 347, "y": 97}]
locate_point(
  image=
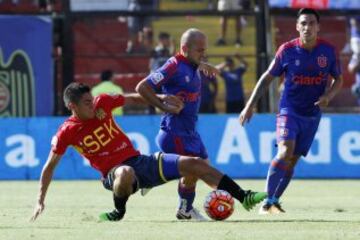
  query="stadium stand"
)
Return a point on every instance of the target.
[{"x": 100, "y": 43}]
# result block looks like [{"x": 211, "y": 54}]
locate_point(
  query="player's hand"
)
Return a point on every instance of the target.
[
  {"x": 39, "y": 208},
  {"x": 172, "y": 100},
  {"x": 171, "y": 108},
  {"x": 245, "y": 115},
  {"x": 172, "y": 104},
  {"x": 322, "y": 102},
  {"x": 208, "y": 69}
]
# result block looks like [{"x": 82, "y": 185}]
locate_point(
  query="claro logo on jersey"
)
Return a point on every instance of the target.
[{"x": 306, "y": 80}]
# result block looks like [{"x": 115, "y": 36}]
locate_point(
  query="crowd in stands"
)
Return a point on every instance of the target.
[{"x": 141, "y": 41}]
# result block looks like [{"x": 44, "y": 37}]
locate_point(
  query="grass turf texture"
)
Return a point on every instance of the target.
[{"x": 322, "y": 209}]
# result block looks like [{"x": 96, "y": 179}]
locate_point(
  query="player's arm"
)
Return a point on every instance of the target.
[
  {"x": 221, "y": 66},
  {"x": 241, "y": 60},
  {"x": 170, "y": 104},
  {"x": 334, "y": 88},
  {"x": 45, "y": 179},
  {"x": 208, "y": 69},
  {"x": 261, "y": 86},
  {"x": 136, "y": 98}
]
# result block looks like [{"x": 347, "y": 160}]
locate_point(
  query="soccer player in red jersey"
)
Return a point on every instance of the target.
[{"x": 92, "y": 131}]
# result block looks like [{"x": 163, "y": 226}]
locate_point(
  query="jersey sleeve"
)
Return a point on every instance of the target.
[
  {"x": 59, "y": 142},
  {"x": 159, "y": 77},
  {"x": 276, "y": 67},
  {"x": 241, "y": 70},
  {"x": 110, "y": 101}
]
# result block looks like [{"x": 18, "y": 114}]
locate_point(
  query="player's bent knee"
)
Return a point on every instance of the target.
[{"x": 125, "y": 172}]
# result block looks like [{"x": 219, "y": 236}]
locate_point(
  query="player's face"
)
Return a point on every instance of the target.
[
  {"x": 308, "y": 27},
  {"x": 84, "y": 109},
  {"x": 197, "y": 50}
]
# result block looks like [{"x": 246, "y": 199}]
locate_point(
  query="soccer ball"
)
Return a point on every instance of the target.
[{"x": 219, "y": 205}]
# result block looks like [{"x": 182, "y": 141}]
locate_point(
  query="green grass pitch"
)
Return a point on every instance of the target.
[{"x": 321, "y": 209}]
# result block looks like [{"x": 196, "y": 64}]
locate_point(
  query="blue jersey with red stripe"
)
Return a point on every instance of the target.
[
  {"x": 181, "y": 78},
  {"x": 306, "y": 74}
]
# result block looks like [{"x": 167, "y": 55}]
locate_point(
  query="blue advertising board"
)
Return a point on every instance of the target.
[
  {"x": 26, "y": 66},
  {"x": 241, "y": 152}
]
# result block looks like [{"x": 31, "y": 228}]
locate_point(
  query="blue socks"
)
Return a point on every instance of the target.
[
  {"x": 277, "y": 171},
  {"x": 186, "y": 197},
  {"x": 284, "y": 183}
]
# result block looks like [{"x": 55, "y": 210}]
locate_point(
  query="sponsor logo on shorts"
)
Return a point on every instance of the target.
[{"x": 283, "y": 132}]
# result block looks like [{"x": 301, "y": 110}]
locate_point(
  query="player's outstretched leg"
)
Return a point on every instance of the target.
[
  {"x": 215, "y": 179},
  {"x": 247, "y": 198}
]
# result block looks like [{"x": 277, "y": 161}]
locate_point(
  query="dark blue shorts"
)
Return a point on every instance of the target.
[
  {"x": 302, "y": 129},
  {"x": 150, "y": 170},
  {"x": 188, "y": 145}
]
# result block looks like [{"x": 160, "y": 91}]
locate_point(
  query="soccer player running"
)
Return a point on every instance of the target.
[
  {"x": 180, "y": 76},
  {"x": 92, "y": 131},
  {"x": 307, "y": 62}
]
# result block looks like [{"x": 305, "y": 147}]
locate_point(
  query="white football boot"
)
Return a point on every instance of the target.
[{"x": 193, "y": 214}]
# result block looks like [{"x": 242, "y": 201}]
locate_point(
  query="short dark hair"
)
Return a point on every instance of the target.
[
  {"x": 163, "y": 35},
  {"x": 309, "y": 11},
  {"x": 106, "y": 75},
  {"x": 73, "y": 92},
  {"x": 229, "y": 60}
]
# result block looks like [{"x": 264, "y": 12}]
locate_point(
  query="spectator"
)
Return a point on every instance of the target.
[
  {"x": 233, "y": 83},
  {"x": 107, "y": 85},
  {"x": 45, "y": 5},
  {"x": 15, "y": 2},
  {"x": 162, "y": 52},
  {"x": 354, "y": 65},
  {"x": 226, "y": 5},
  {"x": 159, "y": 55},
  {"x": 209, "y": 89},
  {"x": 140, "y": 26}
]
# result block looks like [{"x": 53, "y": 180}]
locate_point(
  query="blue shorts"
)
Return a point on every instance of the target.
[
  {"x": 302, "y": 129},
  {"x": 150, "y": 170},
  {"x": 188, "y": 145}
]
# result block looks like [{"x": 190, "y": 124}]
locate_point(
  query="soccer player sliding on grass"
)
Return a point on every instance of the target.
[
  {"x": 307, "y": 63},
  {"x": 92, "y": 131}
]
